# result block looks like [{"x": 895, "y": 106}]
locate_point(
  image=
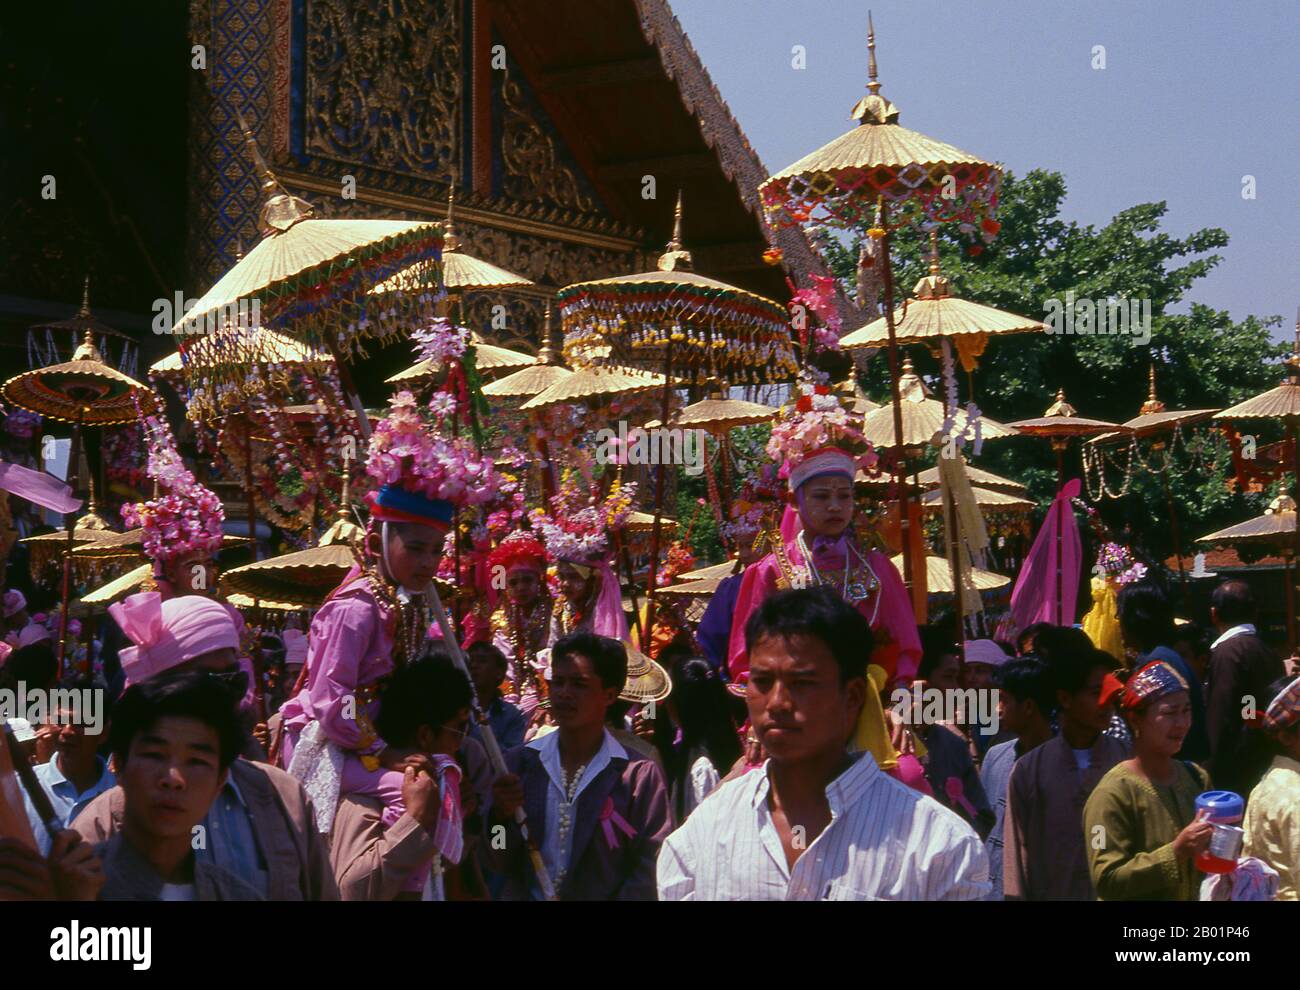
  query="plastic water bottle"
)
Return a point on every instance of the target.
[{"x": 1225, "y": 809}]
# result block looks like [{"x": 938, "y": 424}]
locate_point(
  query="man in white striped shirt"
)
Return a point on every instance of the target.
[{"x": 816, "y": 822}]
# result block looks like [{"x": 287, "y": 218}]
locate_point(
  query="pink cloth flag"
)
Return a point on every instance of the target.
[
  {"x": 1034, "y": 597},
  {"x": 43, "y": 489}
]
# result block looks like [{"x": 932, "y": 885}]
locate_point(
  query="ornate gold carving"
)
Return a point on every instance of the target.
[
  {"x": 384, "y": 85},
  {"x": 533, "y": 169}
]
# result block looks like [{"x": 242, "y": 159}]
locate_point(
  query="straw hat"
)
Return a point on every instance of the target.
[{"x": 646, "y": 680}]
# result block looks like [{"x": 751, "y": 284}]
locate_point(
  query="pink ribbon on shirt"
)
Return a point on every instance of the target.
[
  {"x": 952, "y": 787},
  {"x": 611, "y": 819},
  {"x": 449, "y": 835}
]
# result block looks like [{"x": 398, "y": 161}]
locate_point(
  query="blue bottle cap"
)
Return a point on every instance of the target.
[{"x": 1221, "y": 804}]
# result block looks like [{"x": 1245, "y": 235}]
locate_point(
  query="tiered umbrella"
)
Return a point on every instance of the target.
[
  {"x": 487, "y": 358},
  {"x": 922, "y": 418},
  {"x": 273, "y": 358},
  {"x": 1058, "y": 424},
  {"x": 938, "y": 576},
  {"x": 1155, "y": 421},
  {"x": 85, "y": 392},
  {"x": 311, "y": 278},
  {"x": 48, "y": 548},
  {"x": 43, "y": 352},
  {"x": 1282, "y": 404},
  {"x": 537, "y": 377},
  {"x": 929, "y": 478},
  {"x": 937, "y": 318},
  {"x": 874, "y": 169}
]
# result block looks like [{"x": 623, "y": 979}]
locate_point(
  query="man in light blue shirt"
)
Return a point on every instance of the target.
[{"x": 76, "y": 774}]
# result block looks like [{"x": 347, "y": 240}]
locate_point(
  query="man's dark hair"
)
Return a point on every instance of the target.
[
  {"x": 1026, "y": 641},
  {"x": 1194, "y": 635},
  {"x": 429, "y": 692},
  {"x": 84, "y": 682},
  {"x": 1146, "y": 615},
  {"x": 936, "y": 643},
  {"x": 1028, "y": 679},
  {"x": 1069, "y": 670},
  {"x": 34, "y": 665},
  {"x": 485, "y": 649},
  {"x": 190, "y": 695},
  {"x": 1234, "y": 602},
  {"x": 820, "y": 613},
  {"x": 1051, "y": 641},
  {"x": 608, "y": 656}
]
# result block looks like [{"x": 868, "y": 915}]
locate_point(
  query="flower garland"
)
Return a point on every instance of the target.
[
  {"x": 578, "y": 530},
  {"x": 187, "y": 516}
]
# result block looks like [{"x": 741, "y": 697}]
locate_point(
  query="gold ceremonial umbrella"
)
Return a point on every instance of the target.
[
  {"x": 643, "y": 522},
  {"x": 120, "y": 587},
  {"x": 487, "y": 357},
  {"x": 987, "y": 499},
  {"x": 84, "y": 392},
  {"x": 922, "y": 417},
  {"x": 461, "y": 271},
  {"x": 701, "y": 587},
  {"x": 929, "y": 478},
  {"x": 131, "y": 543},
  {"x": 1059, "y": 424},
  {"x": 1281, "y": 403},
  {"x": 934, "y": 314},
  {"x": 725, "y": 569},
  {"x": 533, "y": 380},
  {"x": 875, "y": 167},
  {"x": 311, "y": 278},
  {"x": 1275, "y": 528},
  {"x": 592, "y": 383},
  {"x": 1154, "y": 420},
  {"x": 938, "y": 576},
  {"x": 271, "y": 356},
  {"x": 77, "y": 326},
  {"x": 304, "y": 577}
]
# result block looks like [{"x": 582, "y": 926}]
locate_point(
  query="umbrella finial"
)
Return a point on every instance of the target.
[
  {"x": 547, "y": 353},
  {"x": 450, "y": 242},
  {"x": 676, "y": 258},
  {"x": 1152, "y": 405},
  {"x": 1060, "y": 407},
  {"x": 873, "y": 108},
  {"x": 934, "y": 285},
  {"x": 281, "y": 210},
  {"x": 873, "y": 83},
  {"x": 84, "y": 312}
]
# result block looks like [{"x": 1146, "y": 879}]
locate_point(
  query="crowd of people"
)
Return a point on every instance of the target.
[{"x": 547, "y": 751}]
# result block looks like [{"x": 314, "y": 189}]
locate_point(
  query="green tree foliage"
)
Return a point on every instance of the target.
[{"x": 1203, "y": 357}]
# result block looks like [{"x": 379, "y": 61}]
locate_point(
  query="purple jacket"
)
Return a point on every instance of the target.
[{"x": 597, "y": 872}]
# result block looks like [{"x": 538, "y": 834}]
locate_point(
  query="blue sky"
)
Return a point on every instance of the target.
[{"x": 1194, "y": 96}]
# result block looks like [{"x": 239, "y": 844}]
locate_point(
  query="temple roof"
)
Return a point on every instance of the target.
[{"x": 631, "y": 97}]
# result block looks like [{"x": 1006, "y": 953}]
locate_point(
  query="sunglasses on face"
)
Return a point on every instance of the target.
[{"x": 234, "y": 681}]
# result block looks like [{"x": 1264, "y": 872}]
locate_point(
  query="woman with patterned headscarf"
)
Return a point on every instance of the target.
[{"x": 1140, "y": 823}]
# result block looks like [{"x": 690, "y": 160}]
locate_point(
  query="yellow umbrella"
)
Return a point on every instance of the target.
[
  {"x": 592, "y": 383},
  {"x": 311, "y": 278},
  {"x": 120, "y": 587},
  {"x": 487, "y": 357},
  {"x": 719, "y": 571},
  {"x": 985, "y": 498},
  {"x": 984, "y": 479},
  {"x": 935, "y": 314},
  {"x": 922, "y": 417},
  {"x": 938, "y": 576}
]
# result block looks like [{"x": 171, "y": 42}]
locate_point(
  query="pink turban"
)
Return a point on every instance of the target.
[{"x": 169, "y": 633}]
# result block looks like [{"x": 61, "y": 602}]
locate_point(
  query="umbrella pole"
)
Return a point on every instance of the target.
[
  {"x": 724, "y": 455},
  {"x": 659, "y": 496},
  {"x": 896, "y": 398},
  {"x": 626, "y": 558},
  {"x": 74, "y": 463},
  {"x": 1173, "y": 527},
  {"x": 350, "y": 389},
  {"x": 1294, "y": 430},
  {"x": 248, "y": 464},
  {"x": 954, "y": 563},
  {"x": 718, "y": 509},
  {"x": 1058, "y": 444}
]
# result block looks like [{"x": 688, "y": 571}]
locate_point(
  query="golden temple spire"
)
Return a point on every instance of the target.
[
  {"x": 547, "y": 354},
  {"x": 1060, "y": 407},
  {"x": 84, "y": 312}
]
